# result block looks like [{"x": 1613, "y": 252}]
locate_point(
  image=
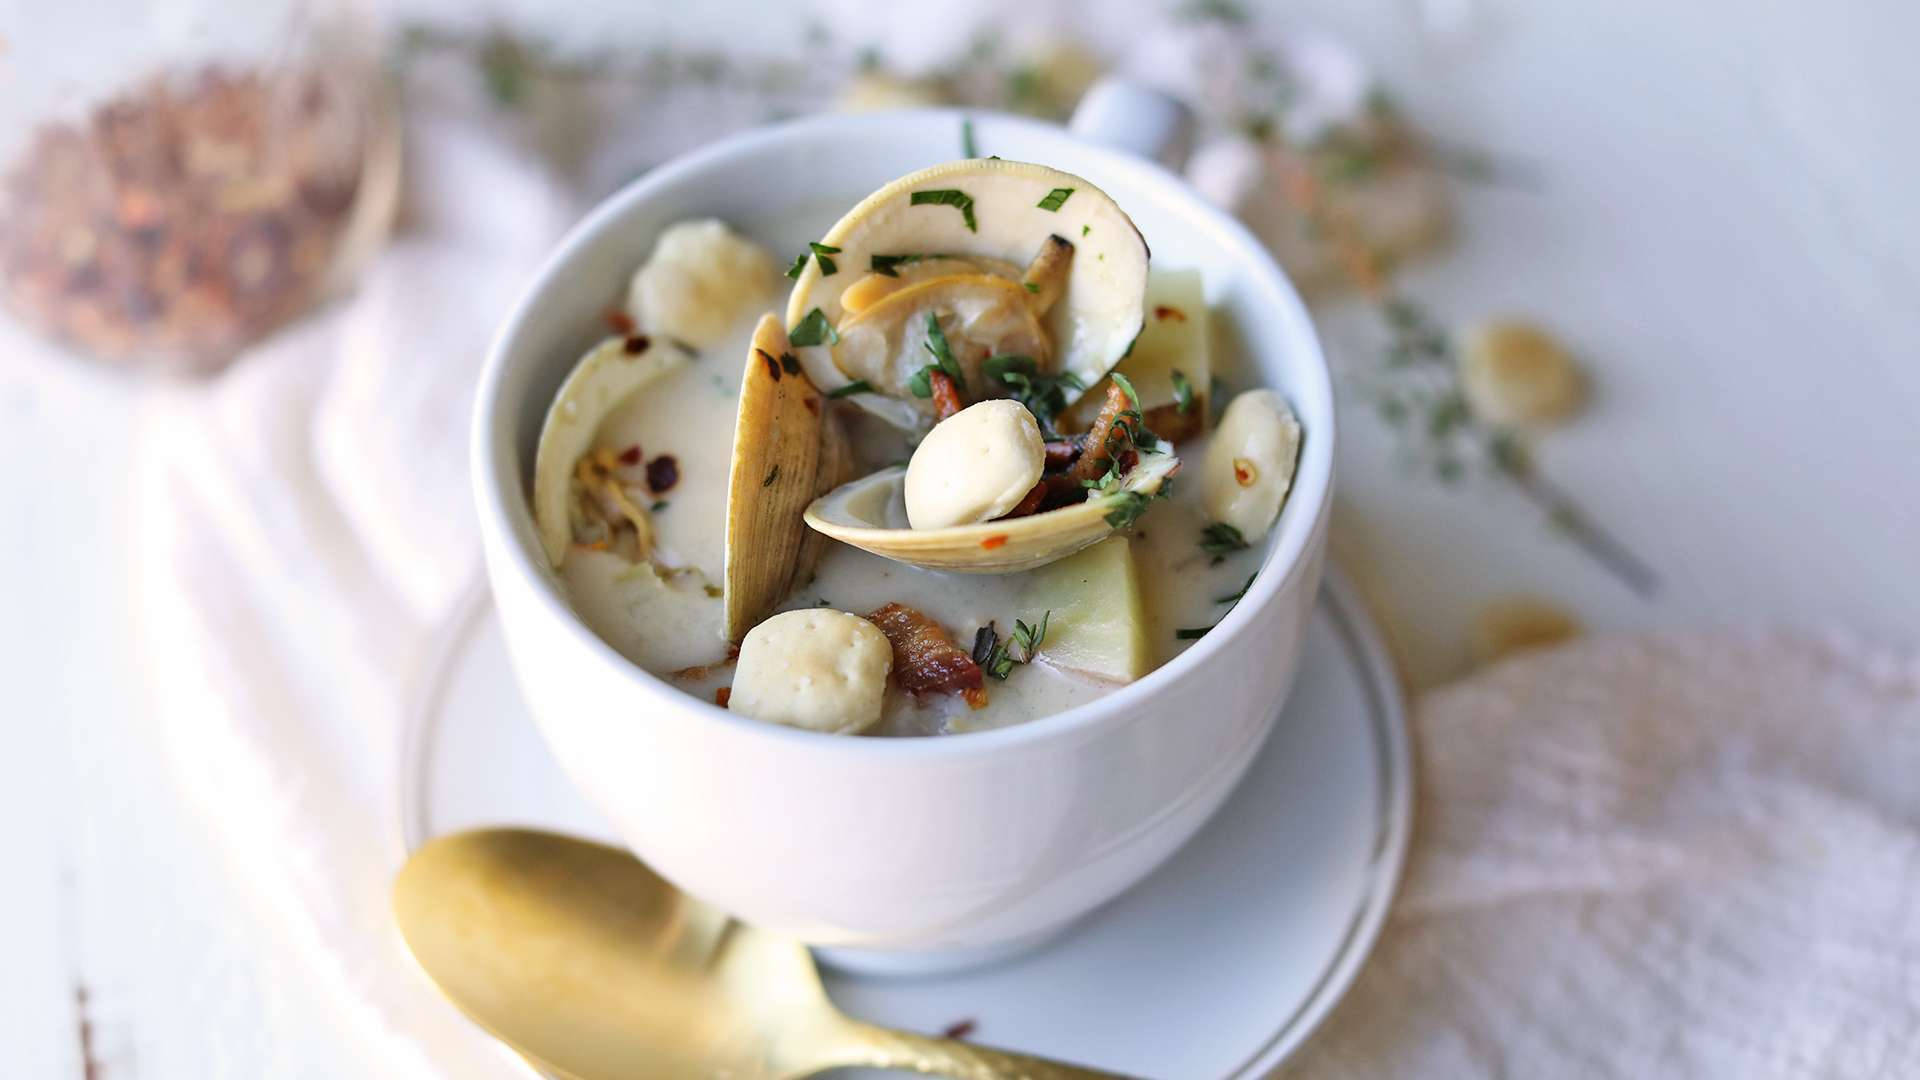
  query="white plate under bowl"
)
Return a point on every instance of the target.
[{"x": 1218, "y": 965}]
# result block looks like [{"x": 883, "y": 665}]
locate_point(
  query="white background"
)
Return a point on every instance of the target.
[{"x": 1727, "y": 230}]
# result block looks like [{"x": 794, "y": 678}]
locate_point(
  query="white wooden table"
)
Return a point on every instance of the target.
[{"x": 1727, "y": 230}]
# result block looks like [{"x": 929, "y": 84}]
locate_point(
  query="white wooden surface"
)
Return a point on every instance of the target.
[{"x": 1727, "y": 229}]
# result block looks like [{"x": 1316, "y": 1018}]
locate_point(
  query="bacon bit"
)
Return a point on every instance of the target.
[
  {"x": 997, "y": 540},
  {"x": 619, "y": 321},
  {"x": 924, "y": 659},
  {"x": 1028, "y": 504},
  {"x": 636, "y": 344},
  {"x": 662, "y": 473},
  {"x": 975, "y": 697},
  {"x": 1062, "y": 451},
  {"x": 773, "y": 366},
  {"x": 631, "y": 455},
  {"x": 946, "y": 396},
  {"x": 1244, "y": 473},
  {"x": 1094, "y": 461},
  {"x": 1163, "y": 313},
  {"x": 722, "y": 696},
  {"x": 1168, "y": 422},
  {"x": 959, "y": 1029}
]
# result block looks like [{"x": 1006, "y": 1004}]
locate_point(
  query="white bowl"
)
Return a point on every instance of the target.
[{"x": 916, "y": 853}]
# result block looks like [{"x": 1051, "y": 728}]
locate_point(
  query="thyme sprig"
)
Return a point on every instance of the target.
[
  {"x": 1417, "y": 393},
  {"x": 997, "y": 657}
]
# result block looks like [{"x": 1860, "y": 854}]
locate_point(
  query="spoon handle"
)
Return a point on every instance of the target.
[{"x": 877, "y": 1047}]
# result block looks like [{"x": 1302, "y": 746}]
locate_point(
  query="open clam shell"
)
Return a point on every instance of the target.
[
  {"x": 604, "y": 378},
  {"x": 871, "y": 514},
  {"x": 1084, "y": 280},
  {"x": 777, "y": 449}
]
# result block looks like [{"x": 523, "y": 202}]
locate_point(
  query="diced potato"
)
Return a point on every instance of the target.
[
  {"x": 1174, "y": 339},
  {"x": 1098, "y": 624}
]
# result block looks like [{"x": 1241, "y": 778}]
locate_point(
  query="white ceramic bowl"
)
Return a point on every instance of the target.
[{"x": 913, "y": 853}]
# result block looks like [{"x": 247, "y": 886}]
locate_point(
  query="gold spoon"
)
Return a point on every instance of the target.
[{"x": 589, "y": 966}]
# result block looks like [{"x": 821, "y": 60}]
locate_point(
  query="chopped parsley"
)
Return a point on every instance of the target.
[
  {"x": 814, "y": 329},
  {"x": 920, "y": 384},
  {"x": 942, "y": 353},
  {"x": 953, "y": 197},
  {"x": 1044, "y": 395},
  {"x": 1126, "y": 386},
  {"x": 1056, "y": 199},
  {"x": 799, "y": 264},
  {"x": 967, "y": 147},
  {"x": 1085, "y": 229},
  {"x": 857, "y": 386},
  {"x": 1191, "y": 633},
  {"x": 1182, "y": 392},
  {"x": 821, "y": 253},
  {"x": 658, "y": 505},
  {"x": 997, "y": 657},
  {"x": 890, "y": 264},
  {"x": 1235, "y": 598},
  {"x": 1221, "y": 540},
  {"x": 1032, "y": 286},
  {"x": 1128, "y": 506}
]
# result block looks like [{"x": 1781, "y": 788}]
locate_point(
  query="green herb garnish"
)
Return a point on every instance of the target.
[
  {"x": 948, "y": 197},
  {"x": 920, "y": 384},
  {"x": 1045, "y": 396},
  {"x": 1128, "y": 507},
  {"x": 889, "y": 264},
  {"x": 1056, "y": 199},
  {"x": 1126, "y": 386},
  {"x": 1221, "y": 540},
  {"x": 828, "y": 267},
  {"x": 857, "y": 386},
  {"x": 1085, "y": 229},
  {"x": 1235, "y": 598},
  {"x": 996, "y": 657},
  {"x": 1191, "y": 633},
  {"x": 1032, "y": 286},
  {"x": 1182, "y": 392},
  {"x": 936, "y": 345},
  {"x": 799, "y": 264},
  {"x": 658, "y": 505},
  {"x": 814, "y": 329},
  {"x": 967, "y": 148}
]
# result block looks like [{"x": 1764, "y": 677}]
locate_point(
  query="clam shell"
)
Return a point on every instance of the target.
[
  {"x": 870, "y": 513},
  {"x": 775, "y": 473},
  {"x": 1100, "y": 304},
  {"x": 603, "y": 378}
]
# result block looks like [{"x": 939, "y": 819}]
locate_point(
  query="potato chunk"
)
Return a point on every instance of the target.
[
  {"x": 813, "y": 668},
  {"x": 1098, "y": 623},
  {"x": 1174, "y": 339}
]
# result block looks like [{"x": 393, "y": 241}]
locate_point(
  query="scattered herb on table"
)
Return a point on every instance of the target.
[
  {"x": 967, "y": 147},
  {"x": 953, "y": 197}
]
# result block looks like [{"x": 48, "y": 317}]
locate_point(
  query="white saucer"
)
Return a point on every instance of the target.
[{"x": 1218, "y": 965}]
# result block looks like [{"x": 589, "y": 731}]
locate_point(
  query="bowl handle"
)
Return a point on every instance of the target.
[{"x": 1129, "y": 116}]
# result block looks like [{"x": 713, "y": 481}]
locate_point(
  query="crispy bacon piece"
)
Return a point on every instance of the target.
[
  {"x": 1062, "y": 451},
  {"x": 1168, "y": 422},
  {"x": 1030, "y": 502},
  {"x": 924, "y": 659},
  {"x": 946, "y": 396},
  {"x": 1093, "y": 462}
]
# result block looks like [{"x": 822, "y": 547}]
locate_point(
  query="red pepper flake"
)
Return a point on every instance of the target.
[
  {"x": 773, "y": 366},
  {"x": 959, "y": 1029},
  {"x": 994, "y": 541},
  {"x": 631, "y": 455},
  {"x": 1243, "y": 472},
  {"x": 662, "y": 473},
  {"x": 721, "y": 695},
  {"x": 636, "y": 344},
  {"x": 1163, "y": 313},
  {"x": 620, "y": 322}
]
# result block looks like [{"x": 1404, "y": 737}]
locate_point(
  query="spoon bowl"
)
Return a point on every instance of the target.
[{"x": 589, "y": 965}]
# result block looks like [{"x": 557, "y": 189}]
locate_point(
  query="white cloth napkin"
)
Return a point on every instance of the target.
[
  {"x": 1681, "y": 856},
  {"x": 1661, "y": 856}
]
